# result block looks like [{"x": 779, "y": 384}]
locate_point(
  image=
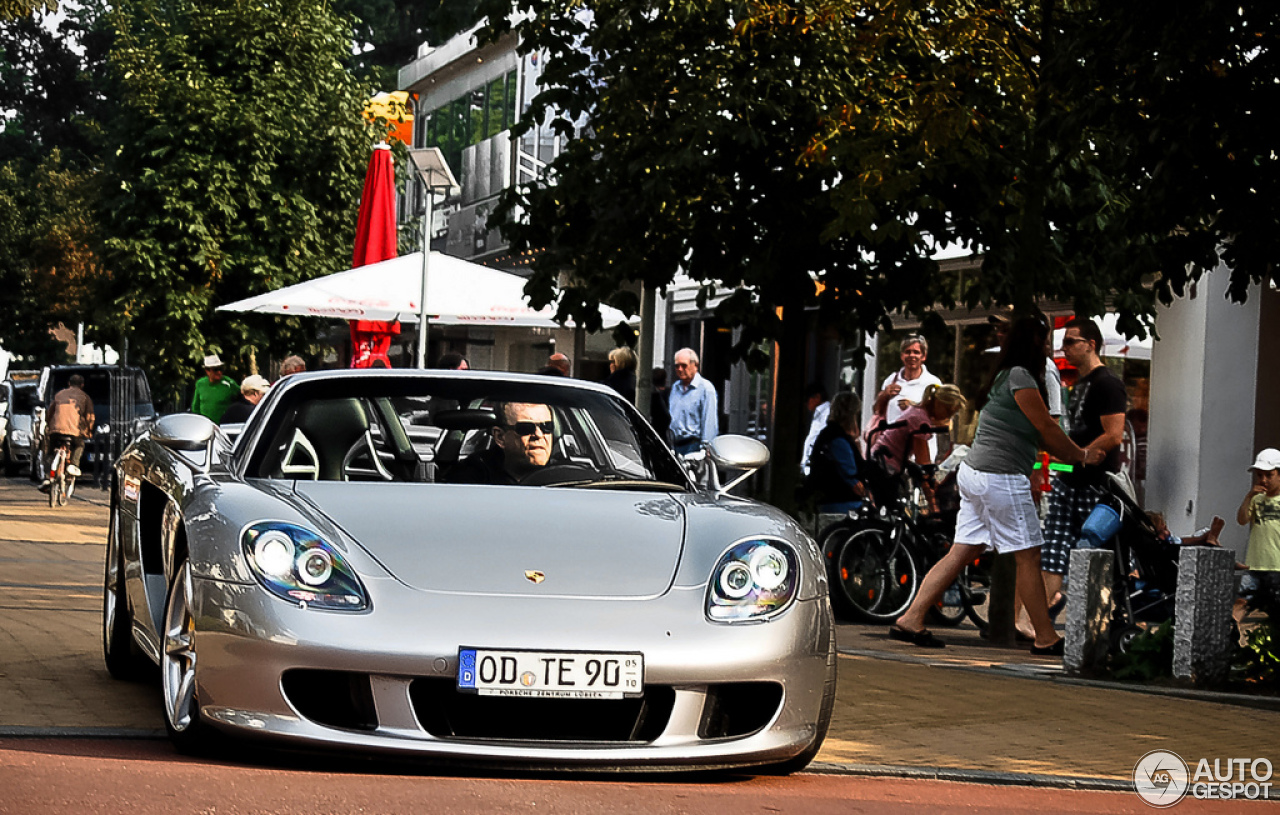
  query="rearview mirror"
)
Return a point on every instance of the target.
[
  {"x": 735, "y": 453},
  {"x": 185, "y": 432},
  {"x": 738, "y": 452}
]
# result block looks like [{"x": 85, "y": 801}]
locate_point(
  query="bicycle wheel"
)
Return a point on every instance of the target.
[
  {"x": 830, "y": 541},
  {"x": 876, "y": 578},
  {"x": 975, "y": 590},
  {"x": 53, "y": 475},
  {"x": 950, "y": 609}
]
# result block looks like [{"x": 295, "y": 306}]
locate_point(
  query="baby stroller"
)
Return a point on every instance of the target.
[{"x": 1146, "y": 567}]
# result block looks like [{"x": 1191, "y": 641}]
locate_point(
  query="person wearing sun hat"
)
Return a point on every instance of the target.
[
  {"x": 252, "y": 389},
  {"x": 214, "y": 391},
  {"x": 1260, "y": 511}
]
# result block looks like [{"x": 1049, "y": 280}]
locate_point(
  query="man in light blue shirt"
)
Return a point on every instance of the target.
[{"x": 694, "y": 408}]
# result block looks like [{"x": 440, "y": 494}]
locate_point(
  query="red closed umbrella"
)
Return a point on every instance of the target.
[{"x": 375, "y": 241}]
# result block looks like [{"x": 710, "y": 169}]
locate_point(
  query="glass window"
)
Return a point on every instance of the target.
[
  {"x": 495, "y": 107},
  {"x": 459, "y": 431},
  {"x": 475, "y": 117}
]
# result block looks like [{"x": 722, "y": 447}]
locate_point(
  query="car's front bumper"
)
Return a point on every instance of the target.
[{"x": 717, "y": 695}]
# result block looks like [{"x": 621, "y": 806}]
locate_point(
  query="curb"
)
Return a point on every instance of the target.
[
  {"x": 961, "y": 775},
  {"x": 24, "y": 732},
  {"x": 1055, "y": 674}
]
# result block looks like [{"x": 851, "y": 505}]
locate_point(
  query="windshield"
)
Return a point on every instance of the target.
[
  {"x": 104, "y": 385},
  {"x": 23, "y": 399},
  {"x": 459, "y": 431}
]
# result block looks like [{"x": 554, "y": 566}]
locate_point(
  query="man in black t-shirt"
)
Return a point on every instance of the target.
[{"x": 1095, "y": 413}]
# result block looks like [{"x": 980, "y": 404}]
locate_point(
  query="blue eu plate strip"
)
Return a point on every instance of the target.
[{"x": 467, "y": 668}]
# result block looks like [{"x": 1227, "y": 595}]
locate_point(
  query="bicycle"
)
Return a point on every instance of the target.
[
  {"x": 877, "y": 555},
  {"x": 61, "y": 483}
]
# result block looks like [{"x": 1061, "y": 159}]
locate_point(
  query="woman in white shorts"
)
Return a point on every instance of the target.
[{"x": 996, "y": 509}]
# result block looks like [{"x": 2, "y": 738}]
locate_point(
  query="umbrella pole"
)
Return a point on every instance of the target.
[{"x": 423, "y": 323}]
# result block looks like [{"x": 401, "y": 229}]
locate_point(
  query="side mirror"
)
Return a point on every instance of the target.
[
  {"x": 184, "y": 432},
  {"x": 736, "y": 453}
]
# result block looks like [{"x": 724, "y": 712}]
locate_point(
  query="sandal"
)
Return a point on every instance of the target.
[
  {"x": 1056, "y": 650},
  {"x": 1057, "y": 606},
  {"x": 923, "y": 638}
]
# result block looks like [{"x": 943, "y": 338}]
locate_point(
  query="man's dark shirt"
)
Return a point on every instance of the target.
[
  {"x": 1099, "y": 394},
  {"x": 480, "y": 468},
  {"x": 238, "y": 411}
]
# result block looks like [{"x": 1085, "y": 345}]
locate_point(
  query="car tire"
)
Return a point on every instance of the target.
[
  {"x": 124, "y": 659},
  {"x": 189, "y": 734},
  {"x": 823, "y": 726}
]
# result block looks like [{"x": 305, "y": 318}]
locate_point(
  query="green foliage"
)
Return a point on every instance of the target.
[
  {"x": 1150, "y": 655},
  {"x": 689, "y": 132},
  {"x": 236, "y": 158},
  {"x": 388, "y": 32},
  {"x": 49, "y": 272},
  {"x": 17, "y": 9},
  {"x": 1259, "y": 659},
  {"x": 1093, "y": 152},
  {"x": 46, "y": 88},
  {"x": 814, "y": 154}
]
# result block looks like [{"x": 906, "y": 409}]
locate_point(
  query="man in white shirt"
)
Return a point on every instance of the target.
[
  {"x": 907, "y": 385},
  {"x": 817, "y": 404}
]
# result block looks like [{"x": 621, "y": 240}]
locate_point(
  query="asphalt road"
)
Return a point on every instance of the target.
[{"x": 146, "y": 778}]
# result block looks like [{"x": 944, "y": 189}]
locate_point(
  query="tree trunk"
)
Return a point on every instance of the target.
[{"x": 788, "y": 393}]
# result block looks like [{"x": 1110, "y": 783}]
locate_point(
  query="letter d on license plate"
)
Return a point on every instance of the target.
[{"x": 556, "y": 674}]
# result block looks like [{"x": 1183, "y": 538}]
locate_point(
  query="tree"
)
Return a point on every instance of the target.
[
  {"x": 45, "y": 90},
  {"x": 808, "y": 155},
  {"x": 48, "y": 264},
  {"x": 236, "y": 160},
  {"x": 1093, "y": 152},
  {"x": 695, "y": 123},
  {"x": 388, "y": 32},
  {"x": 24, "y": 319},
  {"x": 17, "y": 9}
]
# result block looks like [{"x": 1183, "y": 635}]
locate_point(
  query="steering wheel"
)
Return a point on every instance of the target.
[{"x": 558, "y": 474}]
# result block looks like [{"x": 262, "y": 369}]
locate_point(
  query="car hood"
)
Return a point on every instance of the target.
[{"x": 512, "y": 541}]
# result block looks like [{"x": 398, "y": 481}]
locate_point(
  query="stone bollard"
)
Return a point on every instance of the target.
[
  {"x": 1089, "y": 608},
  {"x": 1202, "y": 616}
]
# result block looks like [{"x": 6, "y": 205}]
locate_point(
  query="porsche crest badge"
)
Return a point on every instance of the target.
[{"x": 534, "y": 576}]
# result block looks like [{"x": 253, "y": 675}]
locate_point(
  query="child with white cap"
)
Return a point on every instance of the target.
[{"x": 1260, "y": 510}]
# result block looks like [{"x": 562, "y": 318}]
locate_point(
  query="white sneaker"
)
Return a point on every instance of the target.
[{"x": 73, "y": 470}]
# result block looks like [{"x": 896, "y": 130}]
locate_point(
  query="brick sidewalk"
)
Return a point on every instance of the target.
[{"x": 969, "y": 707}]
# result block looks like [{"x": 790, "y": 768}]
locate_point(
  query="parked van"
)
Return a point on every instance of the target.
[{"x": 122, "y": 409}]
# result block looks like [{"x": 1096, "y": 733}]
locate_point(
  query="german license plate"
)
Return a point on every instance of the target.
[{"x": 553, "y": 674}]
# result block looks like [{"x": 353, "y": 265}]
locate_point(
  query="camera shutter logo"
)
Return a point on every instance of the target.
[{"x": 1161, "y": 778}]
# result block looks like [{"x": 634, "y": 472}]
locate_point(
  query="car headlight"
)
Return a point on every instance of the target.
[
  {"x": 297, "y": 565},
  {"x": 754, "y": 580}
]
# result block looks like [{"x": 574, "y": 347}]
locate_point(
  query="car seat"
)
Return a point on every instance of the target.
[{"x": 333, "y": 427}]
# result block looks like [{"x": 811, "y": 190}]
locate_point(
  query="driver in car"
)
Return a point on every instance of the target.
[{"x": 521, "y": 445}]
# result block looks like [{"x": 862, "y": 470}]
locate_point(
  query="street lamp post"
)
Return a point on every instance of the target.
[{"x": 434, "y": 173}]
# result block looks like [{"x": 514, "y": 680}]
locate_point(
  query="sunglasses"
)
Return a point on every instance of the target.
[
  {"x": 1073, "y": 340},
  {"x": 527, "y": 428}
]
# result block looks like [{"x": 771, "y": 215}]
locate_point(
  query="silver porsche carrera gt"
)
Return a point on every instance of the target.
[{"x": 467, "y": 566}]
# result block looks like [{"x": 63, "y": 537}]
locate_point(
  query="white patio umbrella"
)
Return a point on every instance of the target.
[{"x": 458, "y": 293}]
